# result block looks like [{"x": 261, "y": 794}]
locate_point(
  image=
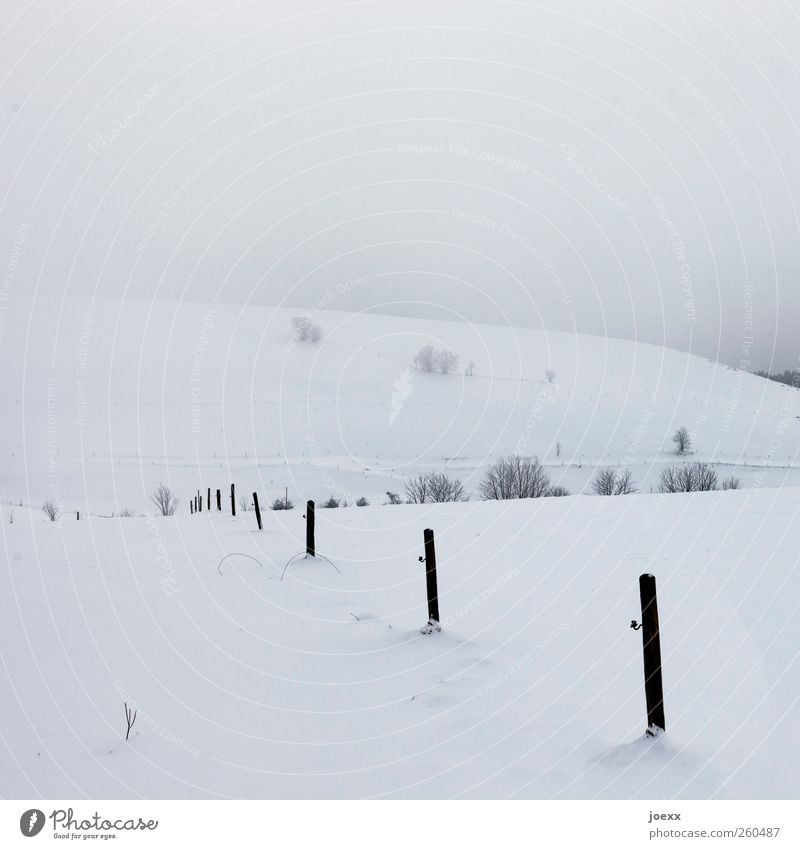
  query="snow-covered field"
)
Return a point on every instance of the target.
[{"x": 320, "y": 684}]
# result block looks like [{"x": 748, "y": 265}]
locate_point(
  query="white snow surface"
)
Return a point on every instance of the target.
[{"x": 320, "y": 684}]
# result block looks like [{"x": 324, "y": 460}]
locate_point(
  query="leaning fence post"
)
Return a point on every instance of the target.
[
  {"x": 430, "y": 582},
  {"x": 191, "y": 507},
  {"x": 233, "y": 500},
  {"x": 311, "y": 546},
  {"x": 651, "y": 648},
  {"x": 258, "y": 510},
  {"x": 219, "y": 500}
]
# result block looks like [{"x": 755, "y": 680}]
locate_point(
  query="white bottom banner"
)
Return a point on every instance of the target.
[{"x": 402, "y": 824}]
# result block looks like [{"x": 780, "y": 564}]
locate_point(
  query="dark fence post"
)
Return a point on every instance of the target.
[
  {"x": 78, "y": 515},
  {"x": 258, "y": 510},
  {"x": 233, "y": 500},
  {"x": 191, "y": 507},
  {"x": 219, "y": 500},
  {"x": 311, "y": 546},
  {"x": 651, "y": 647},
  {"x": 208, "y": 501},
  {"x": 195, "y": 504},
  {"x": 431, "y": 584}
]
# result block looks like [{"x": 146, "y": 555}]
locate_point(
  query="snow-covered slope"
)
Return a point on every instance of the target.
[
  {"x": 102, "y": 400},
  {"x": 321, "y": 685}
]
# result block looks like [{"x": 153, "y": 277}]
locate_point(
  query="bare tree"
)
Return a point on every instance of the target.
[
  {"x": 515, "y": 477},
  {"x": 682, "y": 440},
  {"x": 446, "y": 361},
  {"x": 624, "y": 484},
  {"x": 425, "y": 358},
  {"x": 731, "y": 483},
  {"x": 305, "y": 330},
  {"x": 51, "y": 510},
  {"x": 300, "y": 327},
  {"x": 162, "y": 498}
]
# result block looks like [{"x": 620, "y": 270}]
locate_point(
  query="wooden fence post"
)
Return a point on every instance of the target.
[
  {"x": 191, "y": 507},
  {"x": 208, "y": 501},
  {"x": 431, "y": 584},
  {"x": 651, "y": 648},
  {"x": 233, "y": 500},
  {"x": 311, "y": 545},
  {"x": 219, "y": 500},
  {"x": 78, "y": 515},
  {"x": 258, "y": 510}
]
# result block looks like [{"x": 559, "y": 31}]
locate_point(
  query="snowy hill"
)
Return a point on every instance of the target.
[
  {"x": 102, "y": 400},
  {"x": 253, "y": 679},
  {"x": 320, "y": 685}
]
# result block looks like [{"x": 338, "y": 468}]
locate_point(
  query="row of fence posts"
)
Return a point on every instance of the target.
[
  {"x": 196, "y": 501},
  {"x": 651, "y": 639}
]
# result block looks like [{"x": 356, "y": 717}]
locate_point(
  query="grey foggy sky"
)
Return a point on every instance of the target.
[{"x": 626, "y": 169}]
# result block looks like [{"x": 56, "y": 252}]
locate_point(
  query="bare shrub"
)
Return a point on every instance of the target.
[
  {"x": 10, "y": 515},
  {"x": 446, "y": 361},
  {"x": 443, "y": 488},
  {"x": 731, "y": 483},
  {"x": 682, "y": 440},
  {"x": 425, "y": 358},
  {"x": 245, "y": 505},
  {"x": 362, "y": 502},
  {"x": 705, "y": 478},
  {"x": 557, "y": 492},
  {"x": 694, "y": 477},
  {"x": 331, "y": 503},
  {"x": 51, "y": 510},
  {"x": 609, "y": 481},
  {"x": 393, "y": 498},
  {"x": 417, "y": 490},
  {"x": 604, "y": 481},
  {"x": 125, "y": 513},
  {"x": 164, "y": 501},
  {"x": 434, "y": 488},
  {"x": 515, "y": 477}
]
